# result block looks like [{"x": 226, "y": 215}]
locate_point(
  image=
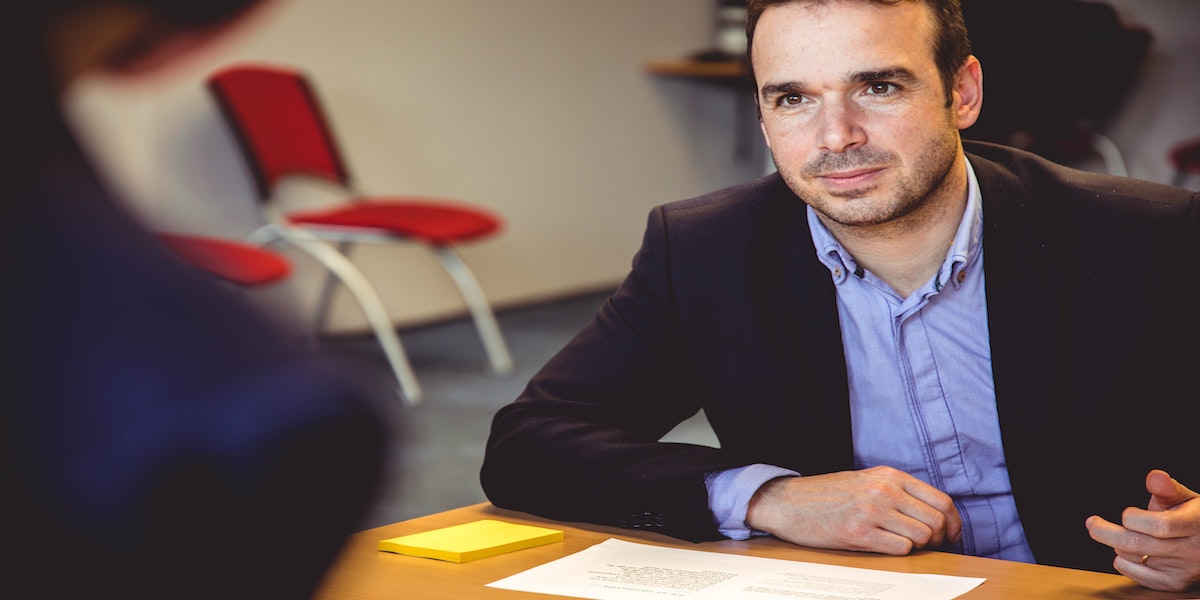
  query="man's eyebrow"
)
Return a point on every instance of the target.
[
  {"x": 890, "y": 74},
  {"x": 775, "y": 89}
]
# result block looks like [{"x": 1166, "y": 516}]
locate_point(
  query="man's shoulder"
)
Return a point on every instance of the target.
[
  {"x": 759, "y": 216},
  {"x": 749, "y": 200},
  {"x": 996, "y": 164},
  {"x": 1005, "y": 169}
]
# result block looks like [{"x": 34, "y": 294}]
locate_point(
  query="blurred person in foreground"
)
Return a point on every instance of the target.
[
  {"x": 900, "y": 343},
  {"x": 158, "y": 437}
]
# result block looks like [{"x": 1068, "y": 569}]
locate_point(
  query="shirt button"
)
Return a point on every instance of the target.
[
  {"x": 961, "y": 276},
  {"x": 837, "y": 271}
]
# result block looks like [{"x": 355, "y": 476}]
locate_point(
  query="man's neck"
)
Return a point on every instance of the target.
[{"x": 907, "y": 252}]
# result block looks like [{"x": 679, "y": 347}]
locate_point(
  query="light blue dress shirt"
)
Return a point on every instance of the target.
[{"x": 921, "y": 392}]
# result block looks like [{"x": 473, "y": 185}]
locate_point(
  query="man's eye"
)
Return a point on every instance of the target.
[
  {"x": 791, "y": 99},
  {"x": 881, "y": 88}
]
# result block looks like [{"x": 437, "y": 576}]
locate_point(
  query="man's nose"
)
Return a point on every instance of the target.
[{"x": 840, "y": 126}]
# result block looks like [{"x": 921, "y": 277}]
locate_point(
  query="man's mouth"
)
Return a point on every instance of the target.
[{"x": 850, "y": 177}]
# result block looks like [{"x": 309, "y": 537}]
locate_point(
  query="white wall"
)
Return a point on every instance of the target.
[
  {"x": 537, "y": 109},
  {"x": 540, "y": 110}
]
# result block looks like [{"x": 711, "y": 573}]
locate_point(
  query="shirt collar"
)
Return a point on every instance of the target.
[{"x": 964, "y": 251}]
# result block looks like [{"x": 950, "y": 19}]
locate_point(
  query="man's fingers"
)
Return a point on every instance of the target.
[
  {"x": 878, "y": 509},
  {"x": 1160, "y": 547},
  {"x": 1151, "y": 574},
  {"x": 947, "y": 523},
  {"x": 884, "y": 541},
  {"x": 919, "y": 512},
  {"x": 921, "y": 523},
  {"x": 888, "y": 531},
  {"x": 1165, "y": 492},
  {"x": 1161, "y": 524},
  {"x": 1104, "y": 531},
  {"x": 1121, "y": 539}
]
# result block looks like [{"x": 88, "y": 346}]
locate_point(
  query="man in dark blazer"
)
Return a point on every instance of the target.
[
  {"x": 159, "y": 437},
  {"x": 762, "y": 305}
]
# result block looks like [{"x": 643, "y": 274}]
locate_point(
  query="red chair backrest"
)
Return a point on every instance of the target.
[{"x": 278, "y": 122}]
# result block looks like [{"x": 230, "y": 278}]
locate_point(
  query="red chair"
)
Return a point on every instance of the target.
[
  {"x": 235, "y": 262},
  {"x": 1185, "y": 160},
  {"x": 278, "y": 120}
]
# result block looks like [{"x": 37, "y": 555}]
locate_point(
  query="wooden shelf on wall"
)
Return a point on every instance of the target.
[
  {"x": 731, "y": 71},
  {"x": 729, "y": 75}
]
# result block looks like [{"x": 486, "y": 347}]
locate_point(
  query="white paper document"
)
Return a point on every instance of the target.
[{"x": 620, "y": 570}]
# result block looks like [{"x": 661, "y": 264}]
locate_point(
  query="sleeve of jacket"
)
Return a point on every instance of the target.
[{"x": 581, "y": 442}]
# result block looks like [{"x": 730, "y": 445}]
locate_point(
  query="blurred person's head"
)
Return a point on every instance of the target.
[
  {"x": 50, "y": 44},
  {"x": 53, "y": 42}
]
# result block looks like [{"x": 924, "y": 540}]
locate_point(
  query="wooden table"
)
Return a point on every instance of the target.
[{"x": 365, "y": 573}]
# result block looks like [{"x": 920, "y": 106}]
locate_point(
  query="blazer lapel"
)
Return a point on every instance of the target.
[
  {"x": 1022, "y": 298},
  {"x": 810, "y": 340}
]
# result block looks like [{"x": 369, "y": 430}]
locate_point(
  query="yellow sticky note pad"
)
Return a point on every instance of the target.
[{"x": 471, "y": 541}]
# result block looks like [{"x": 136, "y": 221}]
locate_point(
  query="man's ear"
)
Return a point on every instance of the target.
[{"x": 967, "y": 94}]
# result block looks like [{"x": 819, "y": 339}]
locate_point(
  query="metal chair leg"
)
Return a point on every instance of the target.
[
  {"x": 325, "y": 301},
  {"x": 481, "y": 312},
  {"x": 1114, "y": 162},
  {"x": 368, "y": 301}
]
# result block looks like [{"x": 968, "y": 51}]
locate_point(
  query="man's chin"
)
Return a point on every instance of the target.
[{"x": 851, "y": 194}]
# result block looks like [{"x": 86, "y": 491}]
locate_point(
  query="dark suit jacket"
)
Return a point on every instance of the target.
[
  {"x": 159, "y": 438},
  {"x": 1090, "y": 284}
]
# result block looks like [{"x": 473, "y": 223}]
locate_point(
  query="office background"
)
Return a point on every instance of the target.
[{"x": 539, "y": 110}]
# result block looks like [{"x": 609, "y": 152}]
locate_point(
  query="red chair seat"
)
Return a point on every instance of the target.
[
  {"x": 236, "y": 262},
  {"x": 435, "y": 222},
  {"x": 1185, "y": 157}
]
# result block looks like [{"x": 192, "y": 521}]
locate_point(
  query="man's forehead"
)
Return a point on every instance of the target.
[
  {"x": 857, "y": 35},
  {"x": 851, "y": 15}
]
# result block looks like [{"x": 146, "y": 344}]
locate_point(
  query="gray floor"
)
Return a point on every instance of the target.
[{"x": 437, "y": 458}]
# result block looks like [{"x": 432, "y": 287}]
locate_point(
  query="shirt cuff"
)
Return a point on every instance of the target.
[{"x": 729, "y": 494}]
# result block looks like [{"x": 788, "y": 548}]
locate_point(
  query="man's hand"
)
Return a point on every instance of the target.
[
  {"x": 875, "y": 510},
  {"x": 1158, "y": 547}
]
